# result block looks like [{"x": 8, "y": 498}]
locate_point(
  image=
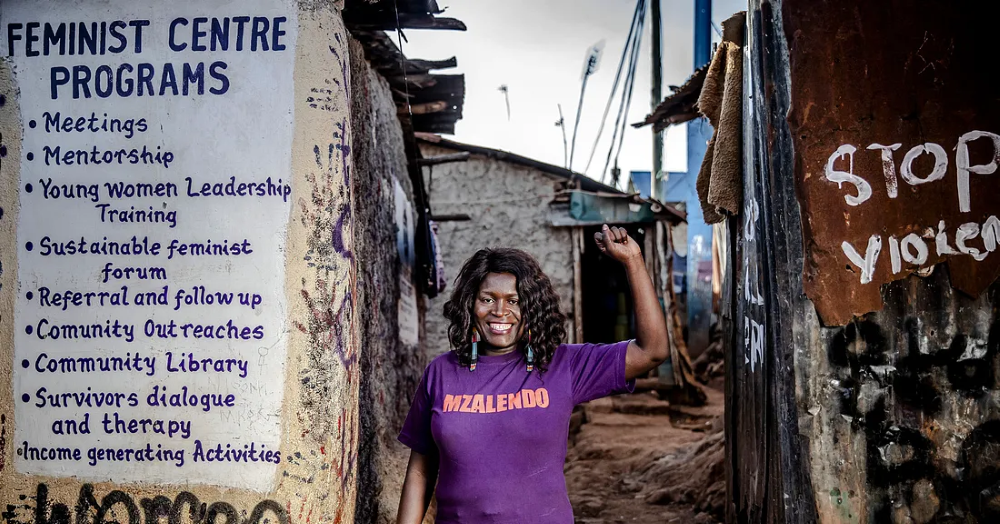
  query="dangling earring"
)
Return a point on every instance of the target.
[
  {"x": 531, "y": 354},
  {"x": 475, "y": 349}
]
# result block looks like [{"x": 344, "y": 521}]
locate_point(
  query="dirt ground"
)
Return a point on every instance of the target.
[{"x": 637, "y": 459}]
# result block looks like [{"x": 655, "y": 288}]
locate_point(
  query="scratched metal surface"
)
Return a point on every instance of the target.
[
  {"x": 891, "y": 416},
  {"x": 909, "y": 75}
]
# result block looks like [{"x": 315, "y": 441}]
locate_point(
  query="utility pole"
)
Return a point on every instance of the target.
[
  {"x": 702, "y": 32},
  {"x": 657, "y": 97}
]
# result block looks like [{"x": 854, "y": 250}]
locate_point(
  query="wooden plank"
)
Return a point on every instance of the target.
[
  {"x": 648, "y": 252},
  {"x": 417, "y": 65},
  {"x": 731, "y": 341},
  {"x": 455, "y": 217},
  {"x": 414, "y": 81},
  {"x": 425, "y": 108},
  {"x": 664, "y": 254},
  {"x": 389, "y": 23},
  {"x": 443, "y": 159},
  {"x": 577, "y": 240}
]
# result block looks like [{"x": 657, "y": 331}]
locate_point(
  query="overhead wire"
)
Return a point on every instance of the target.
[
  {"x": 579, "y": 108},
  {"x": 402, "y": 60},
  {"x": 614, "y": 87},
  {"x": 626, "y": 97}
]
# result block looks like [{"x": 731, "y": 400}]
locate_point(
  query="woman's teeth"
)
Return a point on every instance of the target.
[{"x": 500, "y": 328}]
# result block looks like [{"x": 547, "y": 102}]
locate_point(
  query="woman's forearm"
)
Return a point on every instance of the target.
[
  {"x": 418, "y": 488},
  {"x": 650, "y": 327}
]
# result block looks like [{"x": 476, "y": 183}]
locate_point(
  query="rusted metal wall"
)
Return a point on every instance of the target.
[{"x": 844, "y": 407}]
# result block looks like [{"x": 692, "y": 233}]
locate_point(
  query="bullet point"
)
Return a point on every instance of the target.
[
  {"x": 26, "y": 397},
  {"x": 28, "y": 330},
  {"x": 28, "y": 188},
  {"x": 31, "y": 156},
  {"x": 30, "y": 295},
  {"x": 3, "y": 151},
  {"x": 32, "y": 124},
  {"x": 25, "y": 363},
  {"x": 29, "y": 246}
]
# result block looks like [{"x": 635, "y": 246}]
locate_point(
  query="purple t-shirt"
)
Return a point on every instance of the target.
[{"x": 501, "y": 432}]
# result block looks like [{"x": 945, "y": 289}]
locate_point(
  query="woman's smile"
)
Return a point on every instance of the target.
[
  {"x": 497, "y": 313},
  {"x": 500, "y": 329}
]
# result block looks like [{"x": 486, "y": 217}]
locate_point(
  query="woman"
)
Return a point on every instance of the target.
[{"x": 490, "y": 419}]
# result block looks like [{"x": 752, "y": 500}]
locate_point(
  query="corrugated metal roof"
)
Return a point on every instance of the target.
[
  {"x": 681, "y": 106},
  {"x": 587, "y": 184},
  {"x": 433, "y": 102}
]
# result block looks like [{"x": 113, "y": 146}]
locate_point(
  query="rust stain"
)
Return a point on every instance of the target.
[{"x": 898, "y": 123}]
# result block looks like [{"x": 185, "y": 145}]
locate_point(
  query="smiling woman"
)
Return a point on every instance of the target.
[
  {"x": 500, "y": 294},
  {"x": 491, "y": 417}
]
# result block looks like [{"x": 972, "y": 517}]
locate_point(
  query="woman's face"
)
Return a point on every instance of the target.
[{"x": 497, "y": 312}]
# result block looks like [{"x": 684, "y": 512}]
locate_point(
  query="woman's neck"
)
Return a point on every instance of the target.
[{"x": 495, "y": 352}]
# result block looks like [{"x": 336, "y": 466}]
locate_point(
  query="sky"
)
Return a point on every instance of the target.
[{"x": 537, "y": 49}]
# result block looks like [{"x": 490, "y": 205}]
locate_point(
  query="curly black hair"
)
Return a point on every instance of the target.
[{"x": 539, "y": 303}]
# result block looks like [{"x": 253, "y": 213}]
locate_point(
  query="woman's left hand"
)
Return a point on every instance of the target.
[{"x": 615, "y": 242}]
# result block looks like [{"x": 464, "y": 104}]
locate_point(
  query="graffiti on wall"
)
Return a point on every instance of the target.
[
  {"x": 329, "y": 380},
  {"x": 929, "y": 243},
  {"x": 895, "y": 173},
  {"x": 905, "y": 208},
  {"x": 752, "y": 301},
  {"x": 122, "y": 508},
  {"x": 932, "y": 444}
]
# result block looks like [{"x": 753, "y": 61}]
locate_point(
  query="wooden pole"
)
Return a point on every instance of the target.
[
  {"x": 577, "y": 239},
  {"x": 657, "y": 96}
]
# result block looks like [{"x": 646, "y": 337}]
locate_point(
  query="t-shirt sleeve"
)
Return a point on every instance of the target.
[
  {"x": 598, "y": 370},
  {"x": 416, "y": 432}
]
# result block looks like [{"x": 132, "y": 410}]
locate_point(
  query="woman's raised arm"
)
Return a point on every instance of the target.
[{"x": 650, "y": 347}]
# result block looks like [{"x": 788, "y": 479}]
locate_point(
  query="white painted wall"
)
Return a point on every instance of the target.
[{"x": 243, "y": 135}]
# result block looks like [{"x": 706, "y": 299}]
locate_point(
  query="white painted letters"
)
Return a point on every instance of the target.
[
  {"x": 833, "y": 175},
  {"x": 967, "y": 231},
  {"x": 866, "y": 264},
  {"x": 963, "y": 167},
  {"x": 888, "y": 167},
  {"x": 991, "y": 232},
  {"x": 941, "y": 241},
  {"x": 938, "y": 172},
  {"x": 940, "y": 164},
  {"x": 915, "y": 242},
  {"x": 897, "y": 266},
  {"x": 913, "y": 249}
]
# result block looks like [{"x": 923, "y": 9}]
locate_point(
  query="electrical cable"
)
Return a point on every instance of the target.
[
  {"x": 620, "y": 118},
  {"x": 628, "y": 102},
  {"x": 402, "y": 60},
  {"x": 614, "y": 87}
]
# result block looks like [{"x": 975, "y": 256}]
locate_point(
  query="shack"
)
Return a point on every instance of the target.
[
  {"x": 860, "y": 298},
  {"x": 484, "y": 197}
]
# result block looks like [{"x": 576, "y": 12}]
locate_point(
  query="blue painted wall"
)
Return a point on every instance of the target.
[
  {"x": 680, "y": 187},
  {"x": 641, "y": 182},
  {"x": 699, "y": 248}
]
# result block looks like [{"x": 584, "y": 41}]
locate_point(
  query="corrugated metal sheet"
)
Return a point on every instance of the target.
[{"x": 894, "y": 416}]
